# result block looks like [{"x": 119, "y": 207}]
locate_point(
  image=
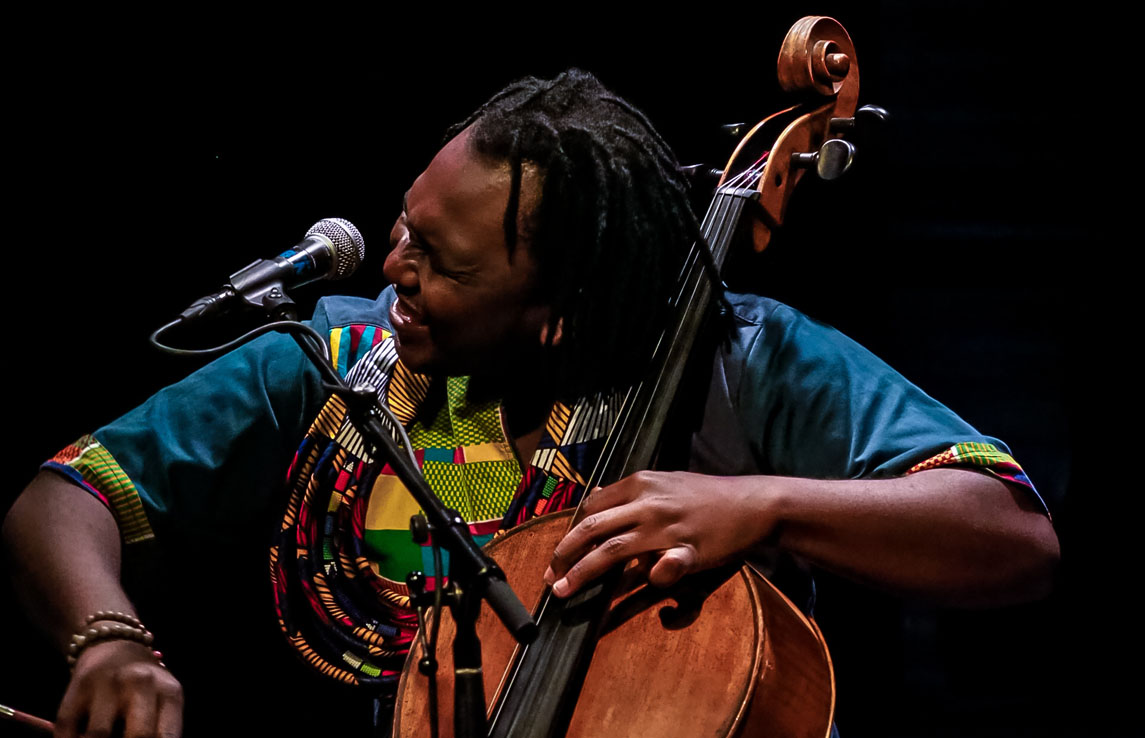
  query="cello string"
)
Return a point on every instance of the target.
[
  {"x": 722, "y": 216},
  {"x": 732, "y": 206},
  {"x": 719, "y": 221},
  {"x": 714, "y": 219},
  {"x": 717, "y": 228},
  {"x": 714, "y": 214},
  {"x": 716, "y": 211}
]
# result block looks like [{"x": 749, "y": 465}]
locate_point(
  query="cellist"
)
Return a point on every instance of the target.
[{"x": 528, "y": 269}]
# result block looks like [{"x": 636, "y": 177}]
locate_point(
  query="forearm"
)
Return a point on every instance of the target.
[
  {"x": 64, "y": 549},
  {"x": 947, "y": 535}
]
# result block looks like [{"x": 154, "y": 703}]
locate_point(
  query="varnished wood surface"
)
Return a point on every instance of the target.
[{"x": 722, "y": 654}]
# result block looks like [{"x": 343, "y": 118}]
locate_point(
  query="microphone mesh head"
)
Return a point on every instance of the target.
[{"x": 349, "y": 248}]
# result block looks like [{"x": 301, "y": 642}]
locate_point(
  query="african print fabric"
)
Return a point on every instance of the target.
[
  {"x": 984, "y": 456},
  {"x": 90, "y": 465},
  {"x": 202, "y": 459},
  {"x": 340, "y": 561}
]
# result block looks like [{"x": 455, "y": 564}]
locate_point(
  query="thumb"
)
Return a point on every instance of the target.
[{"x": 673, "y": 564}]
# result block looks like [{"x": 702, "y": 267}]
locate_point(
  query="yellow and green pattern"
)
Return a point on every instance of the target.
[
  {"x": 984, "y": 456},
  {"x": 90, "y": 464}
]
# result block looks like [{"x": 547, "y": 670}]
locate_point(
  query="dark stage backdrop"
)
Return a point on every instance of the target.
[{"x": 961, "y": 249}]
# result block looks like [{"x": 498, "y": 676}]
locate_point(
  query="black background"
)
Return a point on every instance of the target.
[{"x": 964, "y": 248}]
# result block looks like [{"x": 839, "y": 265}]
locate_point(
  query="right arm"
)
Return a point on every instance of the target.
[
  {"x": 220, "y": 439},
  {"x": 64, "y": 549}
]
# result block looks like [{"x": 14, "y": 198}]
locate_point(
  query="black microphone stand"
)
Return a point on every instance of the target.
[{"x": 473, "y": 575}]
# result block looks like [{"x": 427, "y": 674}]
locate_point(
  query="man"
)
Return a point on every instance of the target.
[{"x": 528, "y": 266}]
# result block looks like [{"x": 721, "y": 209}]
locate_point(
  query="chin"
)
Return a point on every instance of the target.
[
  {"x": 415, "y": 358},
  {"x": 428, "y": 357},
  {"x": 421, "y": 359}
]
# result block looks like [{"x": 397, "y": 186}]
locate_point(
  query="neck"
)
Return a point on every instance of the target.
[
  {"x": 526, "y": 398},
  {"x": 526, "y": 402}
]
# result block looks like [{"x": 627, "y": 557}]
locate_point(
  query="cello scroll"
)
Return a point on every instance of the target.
[
  {"x": 608, "y": 659},
  {"x": 817, "y": 61}
]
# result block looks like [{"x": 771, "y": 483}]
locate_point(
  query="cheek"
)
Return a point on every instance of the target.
[
  {"x": 445, "y": 308},
  {"x": 462, "y": 317}
]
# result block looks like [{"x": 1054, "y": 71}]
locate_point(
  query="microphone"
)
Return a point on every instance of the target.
[{"x": 332, "y": 249}]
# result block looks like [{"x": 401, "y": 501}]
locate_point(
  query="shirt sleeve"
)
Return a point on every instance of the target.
[
  {"x": 816, "y": 404},
  {"x": 208, "y": 454}
]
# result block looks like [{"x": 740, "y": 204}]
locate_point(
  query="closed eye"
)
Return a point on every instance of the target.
[{"x": 413, "y": 241}]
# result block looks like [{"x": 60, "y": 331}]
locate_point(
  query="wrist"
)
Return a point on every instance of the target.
[
  {"x": 105, "y": 627},
  {"x": 761, "y": 506},
  {"x": 773, "y": 507},
  {"x": 113, "y": 651}
]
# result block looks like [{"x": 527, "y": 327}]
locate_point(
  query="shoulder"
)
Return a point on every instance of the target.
[
  {"x": 340, "y": 311},
  {"x": 762, "y": 323},
  {"x": 828, "y": 405},
  {"x": 353, "y": 326},
  {"x": 777, "y": 350},
  {"x": 773, "y": 339},
  {"x": 752, "y": 309}
]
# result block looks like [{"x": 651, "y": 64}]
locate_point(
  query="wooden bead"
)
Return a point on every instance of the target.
[
  {"x": 121, "y": 617},
  {"x": 121, "y": 627}
]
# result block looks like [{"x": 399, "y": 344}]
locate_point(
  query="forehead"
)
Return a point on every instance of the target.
[
  {"x": 460, "y": 198},
  {"x": 459, "y": 201}
]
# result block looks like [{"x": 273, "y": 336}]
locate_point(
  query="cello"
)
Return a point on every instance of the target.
[{"x": 619, "y": 656}]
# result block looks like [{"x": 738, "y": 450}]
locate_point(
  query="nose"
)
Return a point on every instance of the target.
[{"x": 400, "y": 268}]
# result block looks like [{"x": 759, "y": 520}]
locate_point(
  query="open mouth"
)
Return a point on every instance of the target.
[{"x": 404, "y": 316}]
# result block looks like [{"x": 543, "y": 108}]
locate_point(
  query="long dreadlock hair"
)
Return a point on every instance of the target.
[{"x": 612, "y": 227}]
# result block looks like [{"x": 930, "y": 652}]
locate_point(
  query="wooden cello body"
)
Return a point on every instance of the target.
[{"x": 722, "y": 653}]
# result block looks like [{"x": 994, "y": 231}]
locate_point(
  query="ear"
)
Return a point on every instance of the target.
[{"x": 557, "y": 333}]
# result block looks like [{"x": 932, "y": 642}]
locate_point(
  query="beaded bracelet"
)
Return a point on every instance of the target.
[
  {"x": 120, "y": 617},
  {"x": 123, "y": 627}
]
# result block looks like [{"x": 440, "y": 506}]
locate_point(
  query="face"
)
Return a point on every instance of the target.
[{"x": 465, "y": 305}]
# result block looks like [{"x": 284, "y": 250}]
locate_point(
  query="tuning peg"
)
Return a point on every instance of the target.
[
  {"x": 831, "y": 161},
  {"x": 699, "y": 172},
  {"x": 864, "y": 115}
]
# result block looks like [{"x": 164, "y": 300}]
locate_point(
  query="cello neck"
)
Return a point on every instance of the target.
[
  {"x": 817, "y": 60},
  {"x": 542, "y": 690}
]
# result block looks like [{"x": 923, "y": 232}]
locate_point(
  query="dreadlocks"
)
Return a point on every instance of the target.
[{"x": 613, "y": 225}]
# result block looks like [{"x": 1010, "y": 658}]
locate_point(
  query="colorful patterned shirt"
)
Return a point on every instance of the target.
[{"x": 788, "y": 396}]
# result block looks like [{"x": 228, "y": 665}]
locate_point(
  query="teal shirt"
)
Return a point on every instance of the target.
[
  {"x": 792, "y": 396},
  {"x": 788, "y": 395}
]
